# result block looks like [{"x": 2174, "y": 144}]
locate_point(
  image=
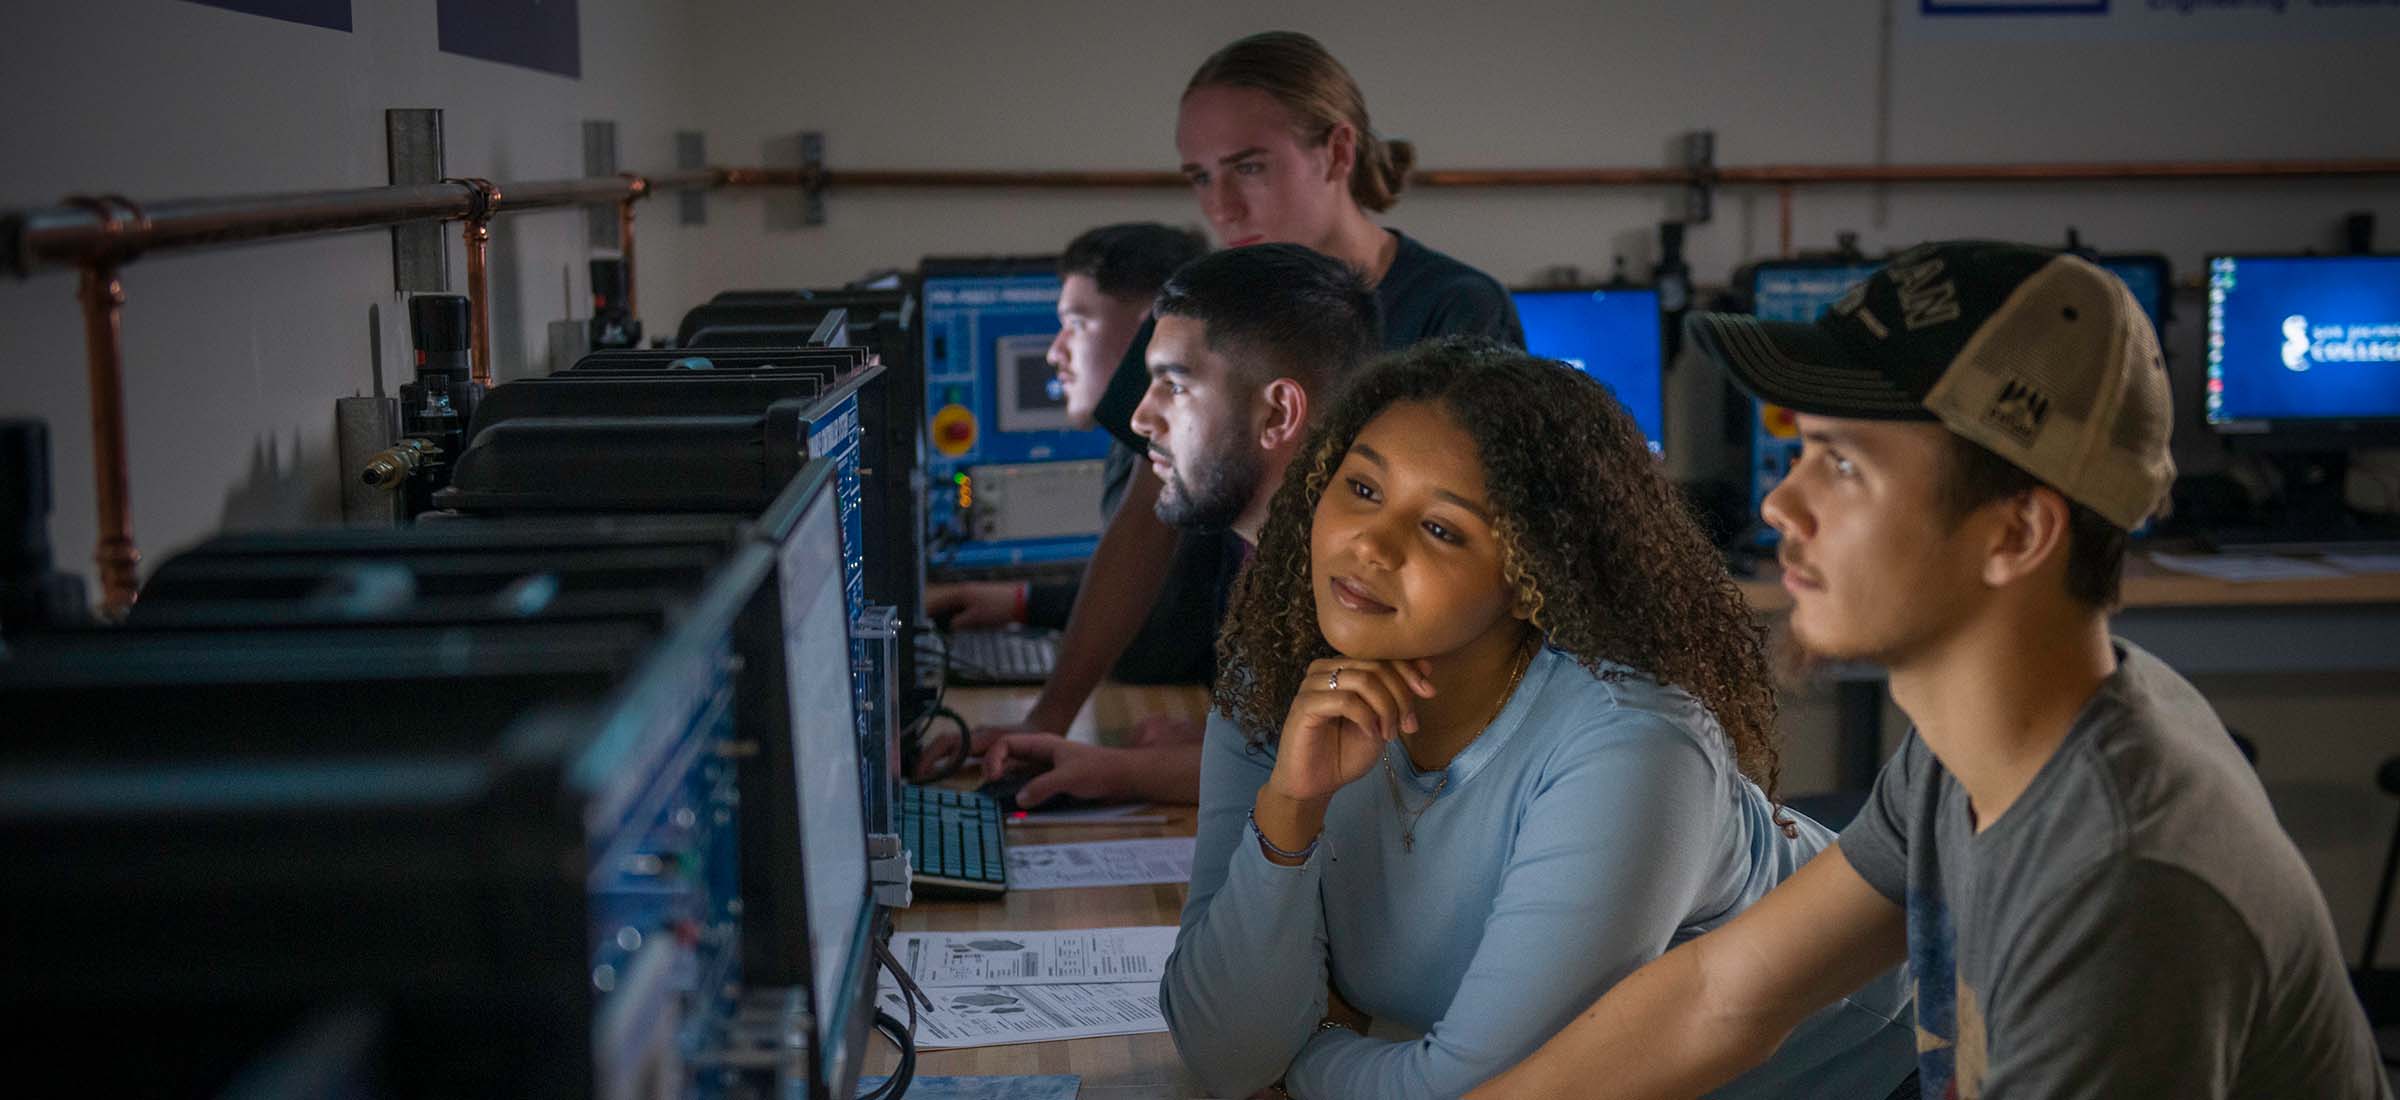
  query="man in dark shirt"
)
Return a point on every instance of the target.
[{"x": 1248, "y": 345}]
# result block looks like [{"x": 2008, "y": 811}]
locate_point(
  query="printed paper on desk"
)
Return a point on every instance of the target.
[
  {"x": 998, "y": 1015},
  {"x": 1035, "y": 958},
  {"x": 2244, "y": 567},
  {"x": 1100, "y": 863}
]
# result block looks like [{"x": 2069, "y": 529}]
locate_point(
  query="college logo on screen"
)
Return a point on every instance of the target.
[
  {"x": 2306, "y": 345},
  {"x": 2295, "y": 342}
]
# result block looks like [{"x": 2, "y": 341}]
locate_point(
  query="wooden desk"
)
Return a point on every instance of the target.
[
  {"x": 1125, "y": 1067},
  {"x": 2199, "y": 626}
]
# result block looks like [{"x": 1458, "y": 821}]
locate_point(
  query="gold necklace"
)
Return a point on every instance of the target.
[{"x": 1391, "y": 778}]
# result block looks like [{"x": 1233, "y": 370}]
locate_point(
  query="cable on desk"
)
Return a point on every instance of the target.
[
  {"x": 912, "y": 743},
  {"x": 896, "y": 1086},
  {"x": 903, "y": 1036}
]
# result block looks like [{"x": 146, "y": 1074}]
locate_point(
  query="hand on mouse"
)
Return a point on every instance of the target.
[
  {"x": 1065, "y": 767},
  {"x": 975, "y": 605},
  {"x": 938, "y": 753}
]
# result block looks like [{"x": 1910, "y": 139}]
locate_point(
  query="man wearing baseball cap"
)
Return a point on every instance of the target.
[{"x": 2082, "y": 873}]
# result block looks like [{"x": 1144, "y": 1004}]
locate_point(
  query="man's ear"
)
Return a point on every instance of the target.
[
  {"x": 2030, "y": 535},
  {"x": 1341, "y": 152},
  {"x": 1282, "y": 414}
]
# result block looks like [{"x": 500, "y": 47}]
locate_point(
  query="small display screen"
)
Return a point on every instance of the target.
[{"x": 1612, "y": 335}]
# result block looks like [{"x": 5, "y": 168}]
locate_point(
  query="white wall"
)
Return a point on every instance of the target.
[{"x": 233, "y": 357}]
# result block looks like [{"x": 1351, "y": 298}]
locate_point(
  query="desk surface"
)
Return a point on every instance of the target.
[{"x": 1127, "y": 1067}]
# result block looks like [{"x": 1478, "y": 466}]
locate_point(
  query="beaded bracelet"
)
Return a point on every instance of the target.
[{"x": 1269, "y": 847}]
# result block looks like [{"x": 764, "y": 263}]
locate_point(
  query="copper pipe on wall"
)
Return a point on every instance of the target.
[
  {"x": 67, "y": 235},
  {"x": 1759, "y": 175},
  {"x": 1783, "y": 221},
  {"x": 478, "y": 223},
  {"x": 640, "y": 189},
  {"x": 1550, "y": 177},
  {"x": 103, "y": 296},
  {"x": 704, "y": 179},
  {"x": 2067, "y": 172}
]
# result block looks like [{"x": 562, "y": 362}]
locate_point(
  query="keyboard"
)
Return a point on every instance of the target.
[
  {"x": 1002, "y": 656},
  {"x": 954, "y": 842}
]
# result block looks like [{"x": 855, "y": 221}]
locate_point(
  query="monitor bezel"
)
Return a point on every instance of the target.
[
  {"x": 787, "y": 889},
  {"x": 2289, "y": 434}
]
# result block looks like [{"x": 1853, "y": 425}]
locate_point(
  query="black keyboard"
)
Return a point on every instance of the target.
[
  {"x": 954, "y": 842},
  {"x": 1002, "y": 656}
]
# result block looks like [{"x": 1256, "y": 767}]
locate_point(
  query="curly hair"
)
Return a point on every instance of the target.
[{"x": 1605, "y": 554}]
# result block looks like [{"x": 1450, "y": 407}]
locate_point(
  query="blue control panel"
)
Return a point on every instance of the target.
[
  {"x": 990, "y": 399},
  {"x": 664, "y": 878}
]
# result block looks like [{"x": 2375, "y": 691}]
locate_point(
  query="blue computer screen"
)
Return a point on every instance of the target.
[
  {"x": 1795, "y": 292},
  {"x": 1612, "y": 335},
  {"x": 2303, "y": 338}
]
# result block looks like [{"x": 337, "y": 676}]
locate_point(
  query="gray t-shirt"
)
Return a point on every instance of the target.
[{"x": 2137, "y": 924}]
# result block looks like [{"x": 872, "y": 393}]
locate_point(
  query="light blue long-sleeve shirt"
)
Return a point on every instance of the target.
[{"x": 1596, "y": 823}]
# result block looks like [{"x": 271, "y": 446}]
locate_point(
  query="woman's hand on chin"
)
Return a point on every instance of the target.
[{"x": 1346, "y": 711}]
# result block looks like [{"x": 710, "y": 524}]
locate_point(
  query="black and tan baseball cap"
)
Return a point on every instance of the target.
[{"x": 2042, "y": 357}]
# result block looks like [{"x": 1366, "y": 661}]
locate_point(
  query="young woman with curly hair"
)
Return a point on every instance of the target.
[{"x": 1493, "y": 729}]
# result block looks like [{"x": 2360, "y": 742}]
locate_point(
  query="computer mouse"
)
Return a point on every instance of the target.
[{"x": 1004, "y": 791}]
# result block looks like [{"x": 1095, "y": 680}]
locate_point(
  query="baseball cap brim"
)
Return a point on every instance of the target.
[{"x": 1800, "y": 367}]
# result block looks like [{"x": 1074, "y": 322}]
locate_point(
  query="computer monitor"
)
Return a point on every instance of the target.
[
  {"x": 1788, "y": 290},
  {"x": 798, "y": 309},
  {"x": 827, "y": 777},
  {"x": 1610, "y": 333},
  {"x": 2304, "y": 351},
  {"x": 751, "y": 336},
  {"x": 990, "y": 404},
  {"x": 2148, "y": 277}
]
